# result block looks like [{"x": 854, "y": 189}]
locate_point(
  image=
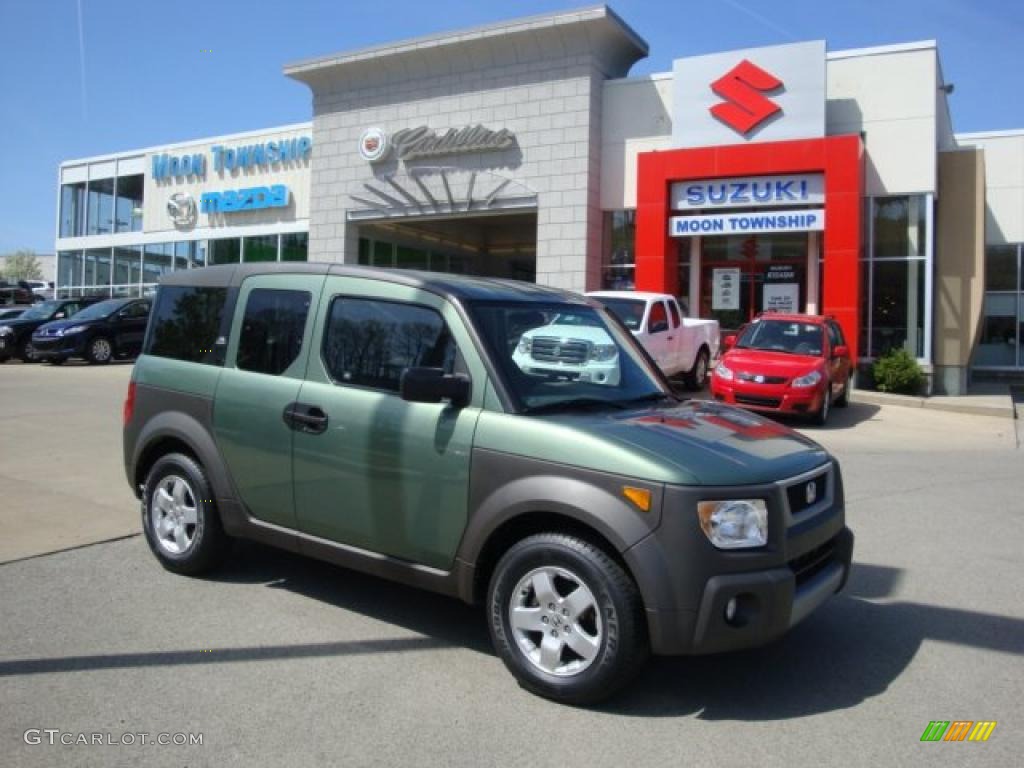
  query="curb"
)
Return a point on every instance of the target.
[{"x": 1006, "y": 411}]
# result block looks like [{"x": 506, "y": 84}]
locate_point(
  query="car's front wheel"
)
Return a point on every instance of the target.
[
  {"x": 820, "y": 417},
  {"x": 99, "y": 351},
  {"x": 179, "y": 516},
  {"x": 566, "y": 619}
]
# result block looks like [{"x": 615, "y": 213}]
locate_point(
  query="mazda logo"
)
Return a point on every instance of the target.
[{"x": 181, "y": 207}]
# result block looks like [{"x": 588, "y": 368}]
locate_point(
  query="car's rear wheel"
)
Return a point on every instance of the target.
[
  {"x": 27, "y": 353},
  {"x": 698, "y": 375},
  {"x": 566, "y": 619},
  {"x": 179, "y": 516},
  {"x": 99, "y": 351}
]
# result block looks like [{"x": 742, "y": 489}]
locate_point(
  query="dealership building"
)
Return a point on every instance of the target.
[{"x": 787, "y": 178}]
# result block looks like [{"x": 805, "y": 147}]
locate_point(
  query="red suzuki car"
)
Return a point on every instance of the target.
[{"x": 788, "y": 364}]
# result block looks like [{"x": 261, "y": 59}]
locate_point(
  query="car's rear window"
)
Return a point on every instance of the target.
[{"x": 186, "y": 322}]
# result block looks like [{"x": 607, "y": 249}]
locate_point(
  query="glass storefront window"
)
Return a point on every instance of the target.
[
  {"x": 295, "y": 247},
  {"x": 1002, "y": 325},
  {"x": 791, "y": 246},
  {"x": 684, "y": 274},
  {"x": 899, "y": 225},
  {"x": 101, "y": 207},
  {"x": 898, "y": 307},
  {"x": 618, "y": 270},
  {"x": 184, "y": 254},
  {"x": 127, "y": 271},
  {"x": 226, "y": 251},
  {"x": 157, "y": 261},
  {"x": 260, "y": 248},
  {"x": 72, "y": 210},
  {"x": 128, "y": 208},
  {"x": 97, "y": 272},
  {"x": 1001, "y": 268},
  {"x": 69, "y": 271},
  {"x": 383, "y": 254},
  {"x": 411, "y": 258}
]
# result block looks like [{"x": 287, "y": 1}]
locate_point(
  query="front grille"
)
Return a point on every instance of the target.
[
  {"x": 810, "y": 564},
  {"x": 797, "y": 494},
  {"x": 548, "y": 349},
  {"x": 757, "y": 379},
  {"x": 765, "y": 402}
]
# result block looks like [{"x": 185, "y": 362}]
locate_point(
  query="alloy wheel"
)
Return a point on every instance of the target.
[
  {"x": 101, "y": 350},
  {"x": 556, "y": 621},
  {"x": 174, "y": 515}
]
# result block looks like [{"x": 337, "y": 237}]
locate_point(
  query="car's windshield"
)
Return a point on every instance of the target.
[
  {"x": 785, "y": 336},
  {"x": 42, "y": 311},
  {"x": 629, "y": 311},
  {"x": 102, "y": 309},
  {"x": 565, "y": 356}
]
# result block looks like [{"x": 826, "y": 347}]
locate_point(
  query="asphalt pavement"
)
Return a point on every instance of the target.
[{"x": 277, "y": 660}]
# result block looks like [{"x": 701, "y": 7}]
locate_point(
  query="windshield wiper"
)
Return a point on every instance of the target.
[{"x": 575, "y": 402}]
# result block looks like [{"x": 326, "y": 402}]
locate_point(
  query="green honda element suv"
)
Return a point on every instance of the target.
[{"x": 424, "y": 428}]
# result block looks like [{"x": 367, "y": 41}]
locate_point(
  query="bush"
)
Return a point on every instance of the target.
[{"x": 898, "y": 372}]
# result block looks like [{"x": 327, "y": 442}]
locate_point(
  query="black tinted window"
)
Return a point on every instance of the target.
[
  {"x": 370, "y": 343},
  {"x": 186, "y": 322},
  {"x": 271, "y": 336}
]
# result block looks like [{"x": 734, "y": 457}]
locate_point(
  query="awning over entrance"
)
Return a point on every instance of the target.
[{"x": 439, "y": 192}]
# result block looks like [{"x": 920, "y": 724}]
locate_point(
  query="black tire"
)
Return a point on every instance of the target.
[
  {"x": 844, "y": 399},
  {"x": 57, "y": 360},
  {"x": 697, "y": 377},
  {"x": 208, "y": 543},
  {"x": 622, "y": 645},
  {"x": 99, "y": 350},
  {"x": 820, "y": 417},
  {"x": 27, "y": 353}
]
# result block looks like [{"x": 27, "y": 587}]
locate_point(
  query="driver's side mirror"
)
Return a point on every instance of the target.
[
  {"x": 432, "y": 385},
  {"x": 59, "y": 316},
  {"x": 729, "y": 342},
  {"x": 840, "y": 351}
]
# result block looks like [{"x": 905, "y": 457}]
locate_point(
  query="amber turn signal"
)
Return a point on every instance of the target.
[{"x": 640, "y": 497}]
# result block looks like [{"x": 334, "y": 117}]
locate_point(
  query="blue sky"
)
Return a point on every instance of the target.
[{"x": 137, "y": 73}]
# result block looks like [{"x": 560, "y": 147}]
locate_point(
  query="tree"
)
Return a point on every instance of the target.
[{"x": 22, "y": 265}]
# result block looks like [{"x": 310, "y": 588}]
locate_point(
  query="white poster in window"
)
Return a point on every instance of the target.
[
  {"x": 725, "y": 289},
  {"x": 781, "y": 297}
]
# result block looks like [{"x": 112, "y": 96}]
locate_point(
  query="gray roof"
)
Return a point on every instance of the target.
[
  {"x": 302, "y": 69},
  {"x": 460, "y": 287}
]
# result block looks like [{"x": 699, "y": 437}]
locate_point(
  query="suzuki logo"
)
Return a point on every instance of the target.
[{"x": 745, "y": 107}]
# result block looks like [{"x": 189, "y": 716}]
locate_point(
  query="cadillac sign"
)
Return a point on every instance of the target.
[{"x": 422, "y": 142}]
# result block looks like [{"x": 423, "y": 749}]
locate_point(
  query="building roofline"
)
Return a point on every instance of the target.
[
  {"x": 301, "y": 67},
  {"x": 879, "y": 50},
  {"x": 190, "y": 143},
  {"x": 971, "y": 136}
]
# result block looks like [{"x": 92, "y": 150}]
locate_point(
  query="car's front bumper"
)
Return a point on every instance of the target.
[
  {"x": 49, "y": 347},
  {"x": 687, "y": 583},
  {"x": 768, "y": 398}
]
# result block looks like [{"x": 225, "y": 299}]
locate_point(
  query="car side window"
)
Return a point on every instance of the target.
[
  {"x": 272, "y": 326},
  {"x": 369, "y": 343},
  {"x": 675, "y": 314},
  {"x": 136, "y": 310},
  {"x": 658, "y": 320},
  {"x": 836, "y": 332}
]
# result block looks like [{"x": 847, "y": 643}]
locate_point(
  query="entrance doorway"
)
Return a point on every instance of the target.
[
  {"x": 493, "y": 245},
  {"x": 741, "y": 276}
]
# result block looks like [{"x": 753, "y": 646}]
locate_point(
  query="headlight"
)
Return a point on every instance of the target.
[
  {"x": 808, "y": 380},
  {"x": 734, "y": 524},
  {"x": 525, "y": 344},
  {"x": 5, "y": 329},
  {"x": 603, "y": 352},
  {"x": 74, "y": 329},
  {"x": 723, "y": 373}
]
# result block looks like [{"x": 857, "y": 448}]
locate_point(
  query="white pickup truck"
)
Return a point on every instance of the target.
[{"x": 678, "y": 344}]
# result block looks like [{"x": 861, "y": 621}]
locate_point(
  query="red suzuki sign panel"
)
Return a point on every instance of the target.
[{"x": 757, "y": 94}]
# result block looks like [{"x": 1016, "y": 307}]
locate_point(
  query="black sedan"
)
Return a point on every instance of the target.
[
  {"x": 99, "y": 333},
  {"x": 16, "y": 333}
]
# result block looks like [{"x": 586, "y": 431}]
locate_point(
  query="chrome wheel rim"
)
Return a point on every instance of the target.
[
  {"x": 556, "y": 621},
  {"x": 702, "y": 370},
  {"x": 101, "y": 349},
  {"x": 30, "y": 352},
  {"x": 174, "y": 515}
]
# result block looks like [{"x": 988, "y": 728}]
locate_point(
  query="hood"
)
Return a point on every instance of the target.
[
  {"x": 585, "y": 332},
  {"x": 693, "y": 443},
  {"x": 770, "y": 363}
]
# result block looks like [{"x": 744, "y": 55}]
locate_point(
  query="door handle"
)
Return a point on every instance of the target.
[
  {"x": 303, "y": 417},
  {"x": 671, "y": 337}
]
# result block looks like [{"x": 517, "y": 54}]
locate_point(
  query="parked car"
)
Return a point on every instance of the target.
[
  {"x": 17, "y": 293},
  {"x": 16, "y": 334},
  {"x": 678, "y": 344},
  {"x": 10, "y": 314},
  {"x": 40, "y": 288},
  {"x": 99, "y": 333},
  {"x": 789, "y": 364},
  {"x": 378, "y": 419}
]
